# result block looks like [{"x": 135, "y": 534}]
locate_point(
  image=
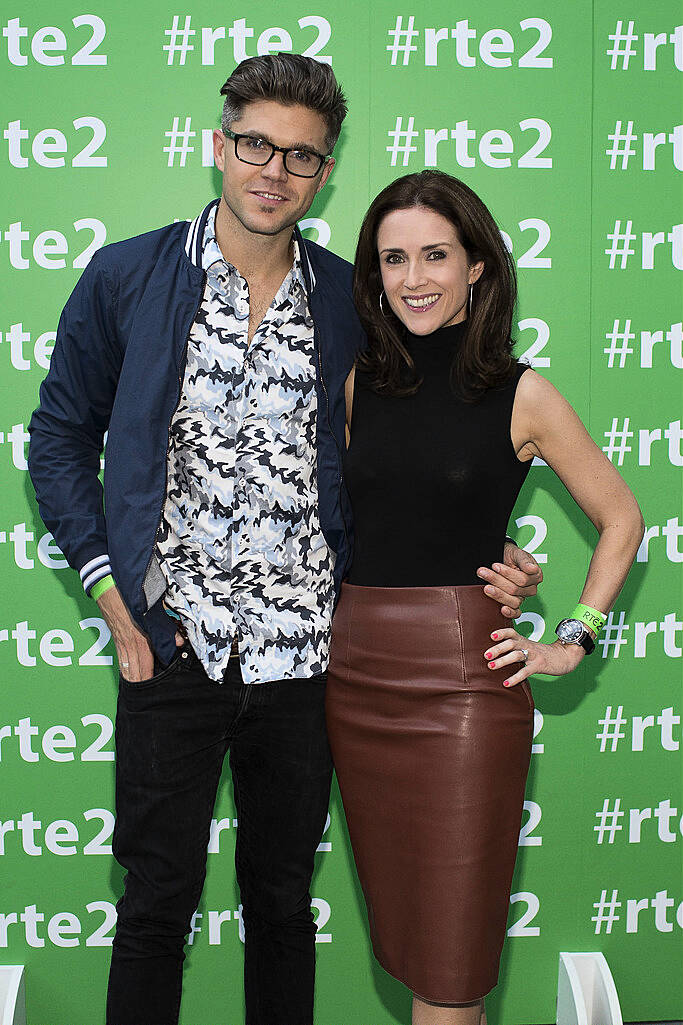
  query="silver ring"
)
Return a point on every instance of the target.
[
  {"x": 525, "y": 653},
  {"x": 126, "y": 664}
]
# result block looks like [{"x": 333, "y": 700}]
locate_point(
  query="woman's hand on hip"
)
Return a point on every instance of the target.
[
  {"x": 508, "y": 650},
  {"x": 511, "y": 581}
]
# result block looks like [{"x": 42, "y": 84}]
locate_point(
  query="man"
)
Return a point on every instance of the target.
[{"x": 215, "y": 355}]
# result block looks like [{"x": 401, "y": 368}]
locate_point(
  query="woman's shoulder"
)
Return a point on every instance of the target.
[
  {"x": 532, "y": 386},
  {"x": 510, "y": 386},
  {"x": 537, "y": 399}
]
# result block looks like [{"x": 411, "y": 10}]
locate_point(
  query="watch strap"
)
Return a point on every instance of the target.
[{"x": 587, "y": 643}]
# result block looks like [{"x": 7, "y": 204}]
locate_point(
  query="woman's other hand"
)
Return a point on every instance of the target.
[
  {"x": 513, "y": 580},
  {"x": 507, "y": 650}
]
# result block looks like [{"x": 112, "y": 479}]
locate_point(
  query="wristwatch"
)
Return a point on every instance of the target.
[{"x": 572, "y": 631}]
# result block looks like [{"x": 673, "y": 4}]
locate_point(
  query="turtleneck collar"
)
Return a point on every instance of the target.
[{"x": 443, "y": 338}]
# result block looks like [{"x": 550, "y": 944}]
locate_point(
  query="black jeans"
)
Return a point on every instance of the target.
[{"x": 172, "y": 733}]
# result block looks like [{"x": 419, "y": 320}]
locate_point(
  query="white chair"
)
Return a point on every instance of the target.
[
  {"x": 12, "y": 995},
  {"x": 586, "y": 994}
]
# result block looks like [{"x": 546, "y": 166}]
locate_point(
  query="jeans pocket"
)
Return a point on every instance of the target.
[{"x": 158, "y": 677}]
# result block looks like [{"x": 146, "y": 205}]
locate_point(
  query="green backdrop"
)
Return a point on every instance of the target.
[{"x": 567, "y": 119}]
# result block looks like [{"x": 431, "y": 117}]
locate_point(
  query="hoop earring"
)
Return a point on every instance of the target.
[
  {"x": 469, "y": 301},
  {"x": 381, "y": 308}
]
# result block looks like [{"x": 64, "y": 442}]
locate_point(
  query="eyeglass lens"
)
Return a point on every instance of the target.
[{"x": 258, "y": 151}]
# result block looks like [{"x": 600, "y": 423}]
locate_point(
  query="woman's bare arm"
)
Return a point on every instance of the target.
[{"x": 545, "y": 425}]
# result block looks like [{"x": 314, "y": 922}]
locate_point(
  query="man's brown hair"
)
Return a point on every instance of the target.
[{"x": 287, "y": 78}]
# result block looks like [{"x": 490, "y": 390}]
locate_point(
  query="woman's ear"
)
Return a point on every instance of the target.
[{"x": 476, "y": 271}]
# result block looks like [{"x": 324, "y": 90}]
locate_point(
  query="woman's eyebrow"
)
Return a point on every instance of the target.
[{"x": 432, "y": 245}]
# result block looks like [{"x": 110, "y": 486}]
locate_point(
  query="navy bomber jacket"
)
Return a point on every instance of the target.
[{"x": 118, "y": 366}]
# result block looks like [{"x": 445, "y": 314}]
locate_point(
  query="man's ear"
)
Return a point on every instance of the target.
[
  {"x": 327, "y": 171},
  {"x": 219, "y": 142}
]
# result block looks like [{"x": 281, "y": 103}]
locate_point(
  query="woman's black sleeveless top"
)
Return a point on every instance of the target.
[{"x": 432, "y": 478}]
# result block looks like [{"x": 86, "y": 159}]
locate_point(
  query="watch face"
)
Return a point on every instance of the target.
[{"x": 570, "y": 630}]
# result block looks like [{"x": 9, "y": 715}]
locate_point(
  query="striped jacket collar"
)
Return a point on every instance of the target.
[{"x": 195, "y": 235}]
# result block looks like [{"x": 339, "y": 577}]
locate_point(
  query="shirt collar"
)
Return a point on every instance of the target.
[{"x": 212, "y": 255}]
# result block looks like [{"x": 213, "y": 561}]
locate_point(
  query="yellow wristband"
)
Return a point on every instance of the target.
[
  {"x": 591, "y": 617},
  {"x": 102, "y": 586}
]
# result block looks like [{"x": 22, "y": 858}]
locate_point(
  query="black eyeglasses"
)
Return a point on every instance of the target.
[{"x": 304, "y": 163}]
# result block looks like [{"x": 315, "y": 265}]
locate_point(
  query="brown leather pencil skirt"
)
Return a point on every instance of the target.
[{"x": 432, "y": 754}]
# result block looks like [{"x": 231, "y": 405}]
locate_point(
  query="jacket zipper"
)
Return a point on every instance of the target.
[{"x": 181, "y": 375}]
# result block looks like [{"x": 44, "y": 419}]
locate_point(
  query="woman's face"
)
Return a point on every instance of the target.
[{"x": 425, "y": 273}]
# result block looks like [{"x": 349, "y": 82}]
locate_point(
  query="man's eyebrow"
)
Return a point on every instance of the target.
[
  {"x": 254, "y": 134},
  {"x": 432, "y": 245}
]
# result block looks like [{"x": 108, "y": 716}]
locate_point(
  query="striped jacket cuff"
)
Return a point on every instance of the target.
[{"x": 95, "y": 570}]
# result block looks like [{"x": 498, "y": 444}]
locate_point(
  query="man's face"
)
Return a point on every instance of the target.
[{"x": 266, "y": 200}]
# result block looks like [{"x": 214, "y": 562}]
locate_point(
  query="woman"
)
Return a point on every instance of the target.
[{"x": 429, "y": 709}]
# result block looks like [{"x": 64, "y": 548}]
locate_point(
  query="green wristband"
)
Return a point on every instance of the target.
[
  {"x": 591, "y": 617},
  {"x": 102, "y": 586}
]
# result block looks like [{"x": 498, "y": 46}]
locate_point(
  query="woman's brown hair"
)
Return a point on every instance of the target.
[{"x": 484, "y": 360}]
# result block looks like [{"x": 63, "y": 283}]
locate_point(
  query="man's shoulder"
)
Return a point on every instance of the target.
[
  {"x": 326, "y": 257},
  {"x": 333, "y": 294},
  {"x": 146, "y": 248},
  {"x": 336, "y": 272}
]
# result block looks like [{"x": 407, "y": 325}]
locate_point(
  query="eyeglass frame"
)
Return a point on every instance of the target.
[{"x": 285, "y": 150}]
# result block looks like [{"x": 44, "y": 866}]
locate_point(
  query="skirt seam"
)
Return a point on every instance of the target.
[{"x": 461, "y": 637}]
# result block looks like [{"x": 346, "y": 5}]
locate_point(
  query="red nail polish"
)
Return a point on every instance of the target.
[
  {"x": 487, "y": 654},
  {"x": 495, "y": 636},
  {"x": 506, "y": 683},
  {"x": 492, "y": 665}
]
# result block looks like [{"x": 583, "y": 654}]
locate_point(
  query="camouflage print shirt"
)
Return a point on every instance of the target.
[{"x": 240, "y": 543}]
